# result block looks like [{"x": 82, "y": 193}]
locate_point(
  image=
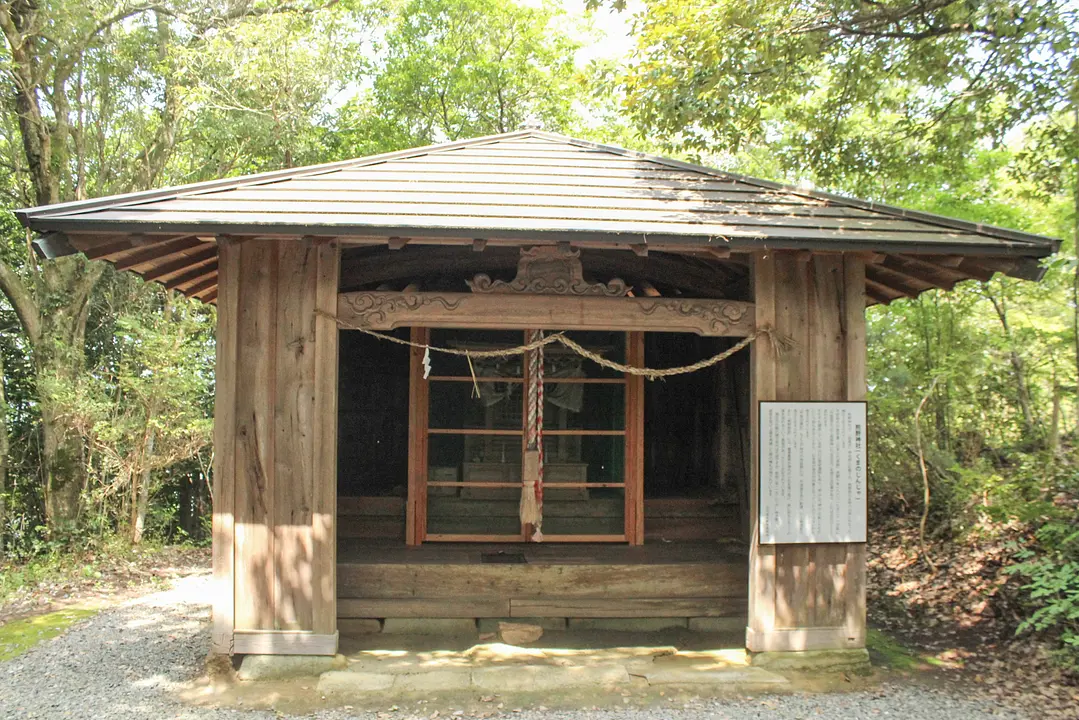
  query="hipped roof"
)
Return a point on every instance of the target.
[{"x": 520, "y": 188}]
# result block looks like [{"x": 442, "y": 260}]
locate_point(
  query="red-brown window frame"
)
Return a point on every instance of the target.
[{"x": 420, "y": 432}]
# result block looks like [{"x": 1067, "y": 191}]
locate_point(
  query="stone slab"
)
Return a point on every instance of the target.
[
  {"x": 283, "y": 667},
  {"x": 627, "y": 624},
  {"x": 346, "y": 682},
  {"x": 434, "y": 681},
  {"x": 727, "y": 676},
  {"x": 429, "y": 626},
  {"x": 529, "y": 678},
  {"x": 855, "y": 660}
]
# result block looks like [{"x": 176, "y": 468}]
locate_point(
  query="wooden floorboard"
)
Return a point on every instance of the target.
[
  {"x": 423, "y": 607},
  {"x": 378, "y": 580},
  {"x": 376, "y": 552},
  {"x": 628, "y": 607}
]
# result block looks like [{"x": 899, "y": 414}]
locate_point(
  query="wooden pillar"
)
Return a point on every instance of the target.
[
  {"x": 275, "y": 434},
  {"x": 806, "y": 596}
]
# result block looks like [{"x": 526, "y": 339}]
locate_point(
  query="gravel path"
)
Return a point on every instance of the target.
[{"x": 126, "y": 662}]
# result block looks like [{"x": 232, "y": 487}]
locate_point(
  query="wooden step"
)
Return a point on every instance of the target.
[
  {"x": 681, "y": 580},
  {"x": 480, "y": 607}
]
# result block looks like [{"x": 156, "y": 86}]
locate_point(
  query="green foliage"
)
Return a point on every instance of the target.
[
  {"x": 847, "y": 91},
  {"x": 1051, "y": 570},
  {"x": 456, "y": 69},
  {"x": 267, "y": 86}
]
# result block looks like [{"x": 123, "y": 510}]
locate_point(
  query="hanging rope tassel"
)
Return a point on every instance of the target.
[{"x": 531, "y": 507}]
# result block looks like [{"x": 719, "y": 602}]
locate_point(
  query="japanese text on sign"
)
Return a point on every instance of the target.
[{"x": 812, "y": 472}]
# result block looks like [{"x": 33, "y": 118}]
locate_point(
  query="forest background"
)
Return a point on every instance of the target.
[{"x": 968, "y": 108}]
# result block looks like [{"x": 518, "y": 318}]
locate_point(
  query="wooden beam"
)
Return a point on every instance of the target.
[
  {"x": 196, "y": 258},
  {"x": 877, "y": 296},
  {"x": 880, "y": 290},
  {"x": 991, "y": 265},
  {"x": 397, "y": 243},
  {"x": 196, "y": 273},
  {"x": 913, "y": 273},
  {"x": 158, "y": 251},
  {"x": 944, "y": 271},
  {"x": 718, "y": 253},
  {"x": 104, "y": 250},
  {"x": 976, "y": 271},
  {"x": 208, "y": 292},
  {"x": 324, "y": 440},
  {"x": 416, "y": 509},
  {"x": 803, "y": 639},
  {"x": 284, "y": 642},
  {"x": 905, "y": 284},
  {"x": 689, "y": 272},
  {"x": 200, "y": 286},
  {"x": 952, "y": 261},
  {"x": 387, "y": 311},
  {"x": 224, "y": 480},
  {"x": 97, "y": 247}
]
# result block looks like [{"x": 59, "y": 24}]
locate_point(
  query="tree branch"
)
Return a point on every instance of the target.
[{"x": 20, "y": 297}]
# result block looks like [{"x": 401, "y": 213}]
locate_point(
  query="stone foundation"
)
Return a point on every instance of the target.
[{"x": 809, "y": 661}]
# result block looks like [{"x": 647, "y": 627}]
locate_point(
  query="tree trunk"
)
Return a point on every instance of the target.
[
  {"x": 1019, "y": 369},
  {"x": 57, "y": 339},
  {"x": 3, "y": 460},
  {"x": 1075, "y": 251},
  {"x": 64, "y": 470},
  {"x": 1054, "y": 424},
  {"x": 141, "y": 493}
]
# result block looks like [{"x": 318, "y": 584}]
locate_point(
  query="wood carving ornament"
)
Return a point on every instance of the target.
[{"x": 549, "y": 270}]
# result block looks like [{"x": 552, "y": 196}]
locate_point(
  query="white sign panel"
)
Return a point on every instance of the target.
[{"x": 812, "y": 472}]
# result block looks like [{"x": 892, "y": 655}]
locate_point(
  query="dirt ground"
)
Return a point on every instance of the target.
[
  {"x": 958, "y": 617},
  {"x": 96, "y": 580}
]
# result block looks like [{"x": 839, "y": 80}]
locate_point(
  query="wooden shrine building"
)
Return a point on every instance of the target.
[{"x": 359, "y": 477}]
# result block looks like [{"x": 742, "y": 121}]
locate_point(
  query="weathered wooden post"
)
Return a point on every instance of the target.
[
  {"x": 806, "y": 596},
  {"x": 275, "y": 435}
]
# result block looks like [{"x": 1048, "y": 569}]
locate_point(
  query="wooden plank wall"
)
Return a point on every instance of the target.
[
  {"x": 275, "y": 434},
  {"x": 808, "y": 596}
]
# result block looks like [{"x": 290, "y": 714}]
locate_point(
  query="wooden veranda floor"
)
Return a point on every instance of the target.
[{"x": 678, "y": 579}]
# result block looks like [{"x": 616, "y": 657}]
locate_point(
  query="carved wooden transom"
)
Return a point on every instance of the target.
[{"x": 549, "y": 270}]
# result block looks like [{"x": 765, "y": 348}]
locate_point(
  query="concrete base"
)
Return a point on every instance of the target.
[
  {"x": 856, "y": 661},
  {"x": 283, "y": 667},
  {"x": 497, "y": 668}
]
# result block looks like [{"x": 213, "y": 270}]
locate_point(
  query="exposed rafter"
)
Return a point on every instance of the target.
[
  {"x": 196, "y": 258},
  {"x": 157, "y": 251},
  {"x": 193, "y": 275}
]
